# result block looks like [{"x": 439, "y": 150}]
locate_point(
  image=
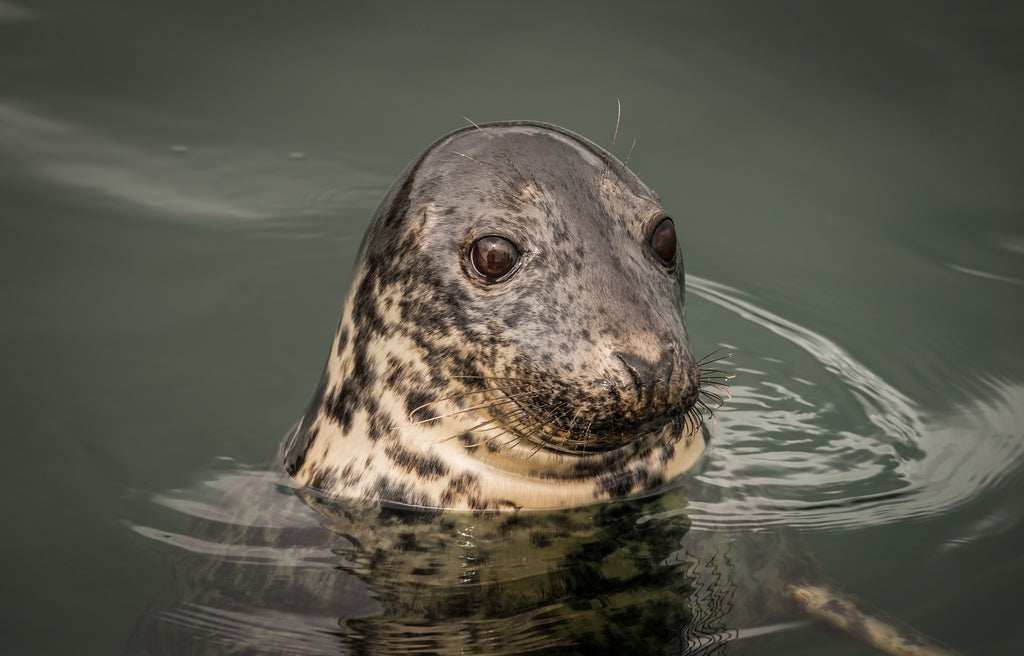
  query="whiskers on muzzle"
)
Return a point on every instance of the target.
[
  {"x": 711, "y": 377},
  {"x": 513, "y": 411}
]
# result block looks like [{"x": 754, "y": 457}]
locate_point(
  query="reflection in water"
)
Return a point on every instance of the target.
[
  {"x": 212, "y": 183},
  {"x": 353, "y": 577}
]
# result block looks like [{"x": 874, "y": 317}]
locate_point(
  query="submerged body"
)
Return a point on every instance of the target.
[
  {"x": 270, "y": 569},
  {"x": 298, "y": 573}
]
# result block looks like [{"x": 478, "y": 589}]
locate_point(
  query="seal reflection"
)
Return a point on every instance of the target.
[{"x": 585, "y": 580}]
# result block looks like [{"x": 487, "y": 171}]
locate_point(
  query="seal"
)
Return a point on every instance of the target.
[{"x": 513, "y": 336}]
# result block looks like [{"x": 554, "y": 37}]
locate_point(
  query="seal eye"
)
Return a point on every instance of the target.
[
  {"x": 493, "y": 257},
  {"x": 663, "y": 241}
]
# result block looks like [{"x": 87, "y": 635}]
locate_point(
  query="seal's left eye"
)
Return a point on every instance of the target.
[
  {"x": 493, "y": 257},
  {"x": 663, "y": 241}
]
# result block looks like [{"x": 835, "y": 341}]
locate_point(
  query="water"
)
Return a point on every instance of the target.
[{"x": 183, "y": 187}]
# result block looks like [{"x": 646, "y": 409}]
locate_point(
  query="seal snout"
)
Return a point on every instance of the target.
[
  {"x": 663, "y": 385},
  {"x": 650, "y": 377}
]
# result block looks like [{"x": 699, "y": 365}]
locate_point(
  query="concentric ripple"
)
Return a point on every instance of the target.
[{"x": 847, "y": 449}]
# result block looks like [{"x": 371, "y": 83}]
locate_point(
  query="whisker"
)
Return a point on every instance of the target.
[
  {"x": 489, "y": 404},
  {"x": 483, "y": 426},
  {"x": 459, "y": 395},
  {"x": 525, "y": 381},
  {"x": 707, "y": 410},
  {"x": 532, "y": 417},
  {"x": 468, "y": 430},
  {"x": 568, "y": 431},
  {"x": 721, "y": 387},
  {"x": 552, "y": 418},
  {"x": 629, "y": 154},
  {"x": 501, "y": 150},
  {"x": 710, "y": 357},
  {"x": 693, "y": 420},
  {"x": 714, "y": 378},
  {"x": 618, "y": 116},
  {"x": 719, "y": 401}
]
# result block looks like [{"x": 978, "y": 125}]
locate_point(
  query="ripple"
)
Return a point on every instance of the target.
[
  {"x": 986, "y": 275},
  {"x": 265, "y": 629},
  {"x": 788, "y": 453},
  {"x": 249, "y": 554},
  {"x": 182, "y": 181},
  {"x": 10, "y": 12}
]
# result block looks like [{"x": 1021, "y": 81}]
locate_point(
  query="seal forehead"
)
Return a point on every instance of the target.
[
  {"x": 524, "y": 152},
  {"x": 525, "y": 178}
]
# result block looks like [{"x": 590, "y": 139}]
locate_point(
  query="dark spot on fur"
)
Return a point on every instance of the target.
[
  {"x": 371, "y": 405},
  {"x": 622, "y": 482},
  {"x": 461, "y": 486},
  {"x": 349, "y": 475},
  {"x": 362, "y": 372},
  {"x": 386, "y": 489},
  {"x": 418, "y": 406},
  {"x": 324, "y": 478},
  {"x": 380, "y": 425},
  {"x": 339, "y": 406},
  {"x": 397, "y": 372},
  {"x": 511, "y": 319},
  {"x": 618, "y": 483},
  {"x": 426, "y": 466},
  {"x": 342, "y": 341}
]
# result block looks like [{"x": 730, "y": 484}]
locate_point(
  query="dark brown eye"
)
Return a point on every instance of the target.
[
  {"x": 663, "y": 241},
  {"x": 493, "y": 257}
]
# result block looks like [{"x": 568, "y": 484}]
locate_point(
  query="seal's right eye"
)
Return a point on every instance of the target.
[{"x": 493, "y": 257}]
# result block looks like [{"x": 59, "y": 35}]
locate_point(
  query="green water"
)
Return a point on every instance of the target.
[{"x": 183, "y": 186}]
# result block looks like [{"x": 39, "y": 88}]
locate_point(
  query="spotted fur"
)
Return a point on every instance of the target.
[{"x": 569, "y": 382}]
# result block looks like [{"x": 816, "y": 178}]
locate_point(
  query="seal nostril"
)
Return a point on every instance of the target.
[
  {"x": 631, "y": 366},
  {"x": 650, "y": 378},
  {"x": 667, "y": 364}
]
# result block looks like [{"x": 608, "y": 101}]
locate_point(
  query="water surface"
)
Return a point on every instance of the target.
[{"x": 183, "y": 187}]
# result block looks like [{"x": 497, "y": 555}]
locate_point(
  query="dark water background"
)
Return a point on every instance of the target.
[{"x": 183, "y": 186}]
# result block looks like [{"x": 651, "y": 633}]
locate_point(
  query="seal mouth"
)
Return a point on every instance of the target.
[
  {"x": 555, "y": 418},
  {"x": 541, "y": 418},
  {"x": 601, "y": 439}
]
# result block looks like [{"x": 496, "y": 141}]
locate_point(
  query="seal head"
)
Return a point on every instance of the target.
[{"x": 513, "y": 337}]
